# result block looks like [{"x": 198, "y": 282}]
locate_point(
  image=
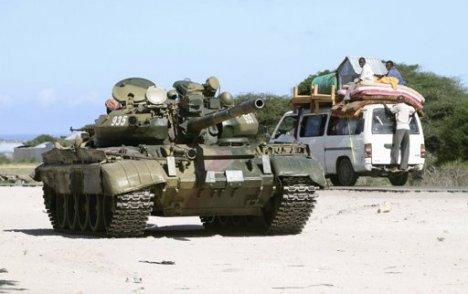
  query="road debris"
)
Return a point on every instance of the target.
[
  {"x": 384, "y": 208},
  {"x": 135, "y": 279},
  {"x": 164, "y": 262}
]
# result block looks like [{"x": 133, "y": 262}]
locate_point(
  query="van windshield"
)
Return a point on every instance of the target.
[
  {"x": 383, "y": 123},
  {"x": 285, "y": 132}
]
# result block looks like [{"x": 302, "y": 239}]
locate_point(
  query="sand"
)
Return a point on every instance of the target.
[{"x": 419, "y": 246}]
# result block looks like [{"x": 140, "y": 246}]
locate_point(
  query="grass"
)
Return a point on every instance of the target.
[
  {"x": 24, "y": 169},
  {"x": 451, "y": 174}
]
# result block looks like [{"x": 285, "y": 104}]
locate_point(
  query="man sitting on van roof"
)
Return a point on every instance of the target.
[
  {"x": 367, "y": 74},
  {"x": 393, "y": 72}
]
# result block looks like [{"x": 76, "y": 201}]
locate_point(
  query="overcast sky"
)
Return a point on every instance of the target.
[{"x": 60, "y": 59}]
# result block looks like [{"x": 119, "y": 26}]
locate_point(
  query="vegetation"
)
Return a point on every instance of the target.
[
  {"x": 274, "y": 108},
  {"x": 446, "y": 108},
  {"x": 6, "y": 160},
  {"x": 304, "y": 87},
  {"x": 46, "y": 138},
  {"x": 40, "y": 139}
]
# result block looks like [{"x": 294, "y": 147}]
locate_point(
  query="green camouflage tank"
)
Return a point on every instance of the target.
[{"x": 185, "y": 152}]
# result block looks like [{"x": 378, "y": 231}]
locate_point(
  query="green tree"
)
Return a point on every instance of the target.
[
  {"x": 305, "y": 85},
  {"x": 274, "y": 108},
  {"x": 454, "y": 136},
  {"x": 445, "y": 122},
  {"x": 40, "y": 139}
]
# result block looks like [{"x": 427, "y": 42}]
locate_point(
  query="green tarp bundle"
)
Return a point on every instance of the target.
[{"x": 325, "y": 83}]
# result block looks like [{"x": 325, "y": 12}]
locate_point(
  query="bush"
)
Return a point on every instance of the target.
[
  {"x": 453, "y": 136},
  {"x": 40, "y": 139},
  {"x": 274, "y": 109},
  {"x": 4, "y": 159},
  {"x": 305, "y": 85}
]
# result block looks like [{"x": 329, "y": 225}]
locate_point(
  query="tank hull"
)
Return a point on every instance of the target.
[{"x": 214, "y": 181}]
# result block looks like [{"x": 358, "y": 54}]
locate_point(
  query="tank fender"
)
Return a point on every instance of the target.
[
  {"x": 298, "y": 166},
  {"x": 130, "y": 175}
]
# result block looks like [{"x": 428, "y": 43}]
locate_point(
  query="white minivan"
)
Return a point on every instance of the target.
[{"x": 349, "y": 148}]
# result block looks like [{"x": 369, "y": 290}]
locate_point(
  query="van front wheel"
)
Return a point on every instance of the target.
[
  {"x": 398, "y": 179},
  {"x": 345, "y": 174}
]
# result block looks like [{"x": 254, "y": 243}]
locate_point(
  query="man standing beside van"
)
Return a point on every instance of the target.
[{"x": 403, "y": 115}]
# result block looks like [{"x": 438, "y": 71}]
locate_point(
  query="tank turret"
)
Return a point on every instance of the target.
[
  {"x": 142, "y": 118},
  {"x": 197, "y": 124}
]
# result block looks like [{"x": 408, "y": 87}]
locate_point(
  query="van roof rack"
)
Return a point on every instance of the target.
[{"x": 314, "y": 100}]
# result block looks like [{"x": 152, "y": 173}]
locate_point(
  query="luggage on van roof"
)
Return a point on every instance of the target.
[
  {"x": 348, "y": 70},
  {"x": 323, "y": 89}
]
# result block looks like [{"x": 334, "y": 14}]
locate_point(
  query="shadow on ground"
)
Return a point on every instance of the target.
[
  {"x": 9, "y": 286},
  {"x": 176, "y": 232}
]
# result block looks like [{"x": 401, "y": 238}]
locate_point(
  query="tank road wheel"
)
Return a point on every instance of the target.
[
  {"x": 82, "y": 212},
  {"x": 235, "y": 222},
  {"x": 291, "y": 207},
  {"x": 223, "y": 221},
  {"x": 109, "y": 209},
  {"x": 95, "y": 211},
  {"x": 209, "y": 222},
  {"x": 238, "y": 221},
  {"x": 72, "y": 221},
  {"x": 61, "y": 209},
  {"x": 126, "y": 215}
]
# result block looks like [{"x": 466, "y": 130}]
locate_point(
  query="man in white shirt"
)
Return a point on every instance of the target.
[
  {"x": 367, "y": 74},
  {"x": 365, "y": 78},
  {"x": 403, "y": 115}
]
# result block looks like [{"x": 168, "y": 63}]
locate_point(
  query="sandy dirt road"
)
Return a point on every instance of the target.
[{"x": 420, "y": 246}]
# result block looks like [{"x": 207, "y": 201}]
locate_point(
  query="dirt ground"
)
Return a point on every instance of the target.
[{"x": 419, "y": 246}]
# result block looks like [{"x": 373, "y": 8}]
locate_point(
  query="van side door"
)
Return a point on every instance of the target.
[
  {"x": 344, "y": 139},
  {"x": 311, "y": 132}
]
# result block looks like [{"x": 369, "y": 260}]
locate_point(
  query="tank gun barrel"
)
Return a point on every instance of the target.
[{"x": 197, "y": 124}]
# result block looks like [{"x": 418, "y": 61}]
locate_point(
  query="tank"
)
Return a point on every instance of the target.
[{"x": 185, "y": 152}]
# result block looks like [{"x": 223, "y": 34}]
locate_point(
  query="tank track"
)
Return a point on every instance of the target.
[
  {"x": 293, "y": 206},
  {"x": 49, "y": 203},
  {"x": 130, "y": 215},
  {"x": 124, "y": 215},
  {"x": 288, "y": 213}
]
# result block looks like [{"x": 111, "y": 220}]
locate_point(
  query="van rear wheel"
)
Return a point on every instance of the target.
[
  {"x": 334, "y": 180},
  {"x": 398, "y": 179},
  {"x": 345, "y": 174}
]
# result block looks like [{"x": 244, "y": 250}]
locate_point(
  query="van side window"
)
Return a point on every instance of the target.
[
  {"x": 313, "y": 125},
  {"x": 286, "y": 128},
  {"x": 343, "y": 126}
]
